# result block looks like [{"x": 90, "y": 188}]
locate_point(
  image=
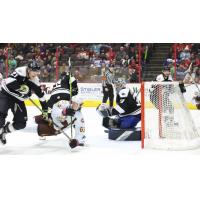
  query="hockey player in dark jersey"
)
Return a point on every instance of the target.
[
  {"x": 160, "y": 95},
  {"x": 127, "y": 112},
  {"x": 15, "y": 90},
  {"x": 165, "y": 76},
  {"x": 61, "y": 90},
  {"x": 155, "y": 90}
]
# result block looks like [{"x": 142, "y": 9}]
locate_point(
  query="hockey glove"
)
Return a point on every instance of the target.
[
  {"x": 45, "y": 115},
  {"x": 74, "y": 91},
  {"x": 182, "y": 87},
  {"x": 68, "y": 112},
  {"x": 73, "y": 143}
]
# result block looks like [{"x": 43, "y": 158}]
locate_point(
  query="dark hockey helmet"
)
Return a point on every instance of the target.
[
  {"x": 166, "y": 68},
  {"x": 33, "y": 65}
]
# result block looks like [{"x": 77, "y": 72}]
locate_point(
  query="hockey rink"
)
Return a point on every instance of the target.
[{"x": 27, "y": 142}]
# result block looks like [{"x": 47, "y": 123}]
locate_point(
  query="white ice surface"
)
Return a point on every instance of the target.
[
  {"x": 35, "y": 169},
  {"x": 26, "y": 141}
]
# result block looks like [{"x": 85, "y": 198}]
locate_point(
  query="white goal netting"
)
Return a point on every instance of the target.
[{"x": 167, "y": 121}]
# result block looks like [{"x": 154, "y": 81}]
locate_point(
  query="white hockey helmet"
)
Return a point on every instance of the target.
[
  {"x": 120, "y": 83},
  {"x": 77, "y": 99}
]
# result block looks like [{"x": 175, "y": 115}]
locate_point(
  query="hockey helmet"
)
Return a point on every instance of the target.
[
  {"x": 33, "y": 65},
  {"x": 166, "y": 68},
  {"x": 77, "y": 99}
]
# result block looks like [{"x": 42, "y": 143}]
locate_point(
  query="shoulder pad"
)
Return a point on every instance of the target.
[
  {"x": 72, "y": 79},
  {"x": 170, "y": 78},
  {"x": 124, "y": 92},
  {"x": 159, "y": 78},
  {"x": 21, "y": 71}
]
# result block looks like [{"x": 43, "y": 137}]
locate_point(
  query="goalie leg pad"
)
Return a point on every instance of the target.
[
  {"x": 124, "y": 134},
  {"x": 110, "y": 123}
]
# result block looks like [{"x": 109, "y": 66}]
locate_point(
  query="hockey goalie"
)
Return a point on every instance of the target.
[
  {"x": 63, "y": 116},
  {"x": 122, "y": 120}
]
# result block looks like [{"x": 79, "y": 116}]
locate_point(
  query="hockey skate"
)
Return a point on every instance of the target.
[
  {"x": 42, "y": 138},
  {"x": 3, "y": 132},
  {"x": 82, "y": 141},
  {"x": 2, "y": 136}
]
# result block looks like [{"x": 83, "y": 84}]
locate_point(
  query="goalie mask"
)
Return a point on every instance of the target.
[{"x": 120, "y": 84}]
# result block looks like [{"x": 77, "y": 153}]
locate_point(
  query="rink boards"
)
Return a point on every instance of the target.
[{"x": 92, "y": 94}]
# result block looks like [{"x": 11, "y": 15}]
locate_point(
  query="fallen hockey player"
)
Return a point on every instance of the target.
[{"x": 63, "y": 115}]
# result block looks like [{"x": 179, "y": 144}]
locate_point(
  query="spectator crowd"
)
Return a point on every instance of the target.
[
  {"x": 187, "y": 62},
  {"x": 86, "y": 59}
]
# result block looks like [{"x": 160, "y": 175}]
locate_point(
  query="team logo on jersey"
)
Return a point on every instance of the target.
[{"x": 82, "y": 120}]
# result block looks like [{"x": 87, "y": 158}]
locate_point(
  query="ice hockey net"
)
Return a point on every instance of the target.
[{"x": 166, "y": 120}]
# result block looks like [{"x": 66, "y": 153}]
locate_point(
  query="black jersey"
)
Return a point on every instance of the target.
[
  {"x": 61, "y": 90},
  {"x": 63, "y": 85},
  {"x": 126, "y": 103},
  {"x": 11, "y": 86}
]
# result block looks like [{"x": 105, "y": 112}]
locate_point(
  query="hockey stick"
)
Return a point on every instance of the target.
[
  {"x": 52, "y": 121},
  {"x": 70, "y": 87},
  {"x": 188, "y": 72}
]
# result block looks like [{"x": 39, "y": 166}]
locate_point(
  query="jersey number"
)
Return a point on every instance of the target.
[{"x": 82, "y": 129}]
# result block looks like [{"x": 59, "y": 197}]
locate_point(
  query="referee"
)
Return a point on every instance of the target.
[{"x": 107, "y": 83}]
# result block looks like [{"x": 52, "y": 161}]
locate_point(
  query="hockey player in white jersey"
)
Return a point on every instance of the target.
[{"x": 63, "y": 115}]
